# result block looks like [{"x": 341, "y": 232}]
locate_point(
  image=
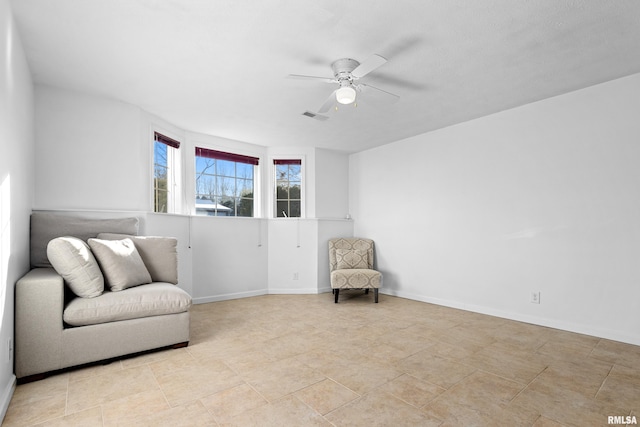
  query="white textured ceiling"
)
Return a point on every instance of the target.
[{"x": 219, "y": 66}]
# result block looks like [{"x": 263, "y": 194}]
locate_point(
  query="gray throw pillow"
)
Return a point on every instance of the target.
[
  {"x": 72, "y": 259},
  {"x": 120, "y": 262}
]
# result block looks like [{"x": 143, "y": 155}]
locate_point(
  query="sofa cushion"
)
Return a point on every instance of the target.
[
  {"x": 159, "y": 254},
  {"x": 120, "y": 262},
  {"x": 72, "y": 259},
  {"x": 46, "y": 226},
  {"x": 154, "y": 299},
  {"x": 351, "y": 258}
]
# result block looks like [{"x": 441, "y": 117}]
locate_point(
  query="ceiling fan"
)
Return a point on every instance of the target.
[{"x": 346, "y": 73}]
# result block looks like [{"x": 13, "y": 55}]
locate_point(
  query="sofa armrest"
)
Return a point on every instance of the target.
[{"x": 39, "y": 308}]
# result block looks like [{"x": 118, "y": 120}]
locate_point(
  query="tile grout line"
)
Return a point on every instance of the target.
[
  {"x": 527, "y": 386},
  {"x": 595, "y": 396},
  {"x": 66, "y": 397},
  {"x": 155, "y": 378}
]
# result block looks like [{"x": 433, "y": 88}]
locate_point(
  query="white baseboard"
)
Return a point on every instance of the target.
[
  {"x": 225, "y": 297},
  {"x": 6, "y": 396},
  {"x": 304, "y": 291},
  {"x": 535, "y": 320}
]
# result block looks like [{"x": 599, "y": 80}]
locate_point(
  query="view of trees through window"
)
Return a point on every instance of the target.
[
  {"x": 224, "y": 182},
  {"x": 165, "y": 151},
  {"x": 288, "y": 185},
  {"x": 224, "y": 187},
  {"x": 160, "y": 177}
]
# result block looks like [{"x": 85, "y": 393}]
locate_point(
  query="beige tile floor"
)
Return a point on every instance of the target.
[{"x": 301, "y": 360}]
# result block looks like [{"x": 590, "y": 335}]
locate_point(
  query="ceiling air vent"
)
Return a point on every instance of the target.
[{"x": 315, "y": 116}]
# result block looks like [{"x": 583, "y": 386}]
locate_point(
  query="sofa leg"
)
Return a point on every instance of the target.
[
  {"x": 375, "y": 293},
  {"x": 32, "y": 378},
  {"x": 336, "y": 292},
  {"x": 180, "y": 345},
  {"x": 366, "y": 291}
]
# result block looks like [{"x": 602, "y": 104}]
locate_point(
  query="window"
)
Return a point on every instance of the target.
[
  {"x": 288, "y": 195},
  {"x": 224, "y": 183},
  {"x": 164, "y": 182}
]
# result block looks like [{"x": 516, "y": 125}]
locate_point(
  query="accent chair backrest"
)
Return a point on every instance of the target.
[{"x": 352, "y": 243}]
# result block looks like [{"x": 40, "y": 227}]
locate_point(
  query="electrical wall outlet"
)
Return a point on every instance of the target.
[
  {"x": 535, "y": 297},
  {"x": 9, "y": 349},
  {"x": 295, "y": 276}
]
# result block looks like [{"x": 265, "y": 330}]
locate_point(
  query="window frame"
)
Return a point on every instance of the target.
[
  {"x": 273, "y": 200},
  {"x": 173, "y": 144},
  {"x": 236, "y": 156}
]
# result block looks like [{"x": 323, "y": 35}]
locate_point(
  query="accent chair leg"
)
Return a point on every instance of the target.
[
  {"x": 336, "y": 292},
  {"x": 375, "y": 293}
]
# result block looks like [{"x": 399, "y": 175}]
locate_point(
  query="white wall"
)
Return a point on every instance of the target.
[
  {"x": 16, "y": 184},
  {"x": 332, "y": 184},
  {"x": 539, "y": 198},
  {"x": 89, "y": 152},
  {"x": 293, "y": 256},
  {"x": 298, "y": 254},
  {"x": 229, "y": 258}
]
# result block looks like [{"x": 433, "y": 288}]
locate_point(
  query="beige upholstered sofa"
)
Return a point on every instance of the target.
[{"x": 57, "y": 329}]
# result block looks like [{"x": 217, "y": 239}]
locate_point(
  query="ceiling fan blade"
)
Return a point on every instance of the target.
[
  {"x": 368, "y": 66},
  {"x": 301, "y": 77},
  {"x": 330, "y": 102},
  {"x": 311, "y": 115},
  {"x": 379, "y": 94}
]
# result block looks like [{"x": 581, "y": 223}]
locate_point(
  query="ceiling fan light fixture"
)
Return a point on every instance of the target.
[{"x": 346, "y": 95}]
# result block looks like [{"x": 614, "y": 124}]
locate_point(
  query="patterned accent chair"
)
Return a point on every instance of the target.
[{"x": 351, "y": 265}]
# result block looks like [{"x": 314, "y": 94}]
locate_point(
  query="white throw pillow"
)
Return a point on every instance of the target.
[
  {"x": 73, "y": 260},
  {"x": 120, "y": 262}
]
